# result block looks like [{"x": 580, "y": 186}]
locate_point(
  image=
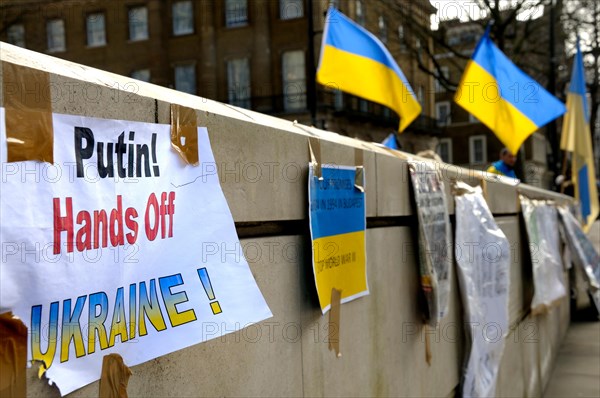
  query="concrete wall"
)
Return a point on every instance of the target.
[{"x": 382, "y": 340}]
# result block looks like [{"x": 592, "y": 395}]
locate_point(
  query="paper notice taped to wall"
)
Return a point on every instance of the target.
[
  {"x": 483, "y": 257},
  {"x": 119, "y": 246},
  {"x": 435, "y": 238},
  {"x": 541, "y": 220},
  {"x": 338, "y": 233}
]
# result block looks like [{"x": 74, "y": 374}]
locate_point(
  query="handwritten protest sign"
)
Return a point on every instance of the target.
[
  {"x": 337, "y": 226},
  {"x": 118, "y": 247}
]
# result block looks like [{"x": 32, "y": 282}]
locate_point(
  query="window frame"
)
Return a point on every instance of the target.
[
  {"x": 244, "y": 101},
  {"x": 22, "y": 42},
  {"x": 236, "y": 23},
  {"x": 132, "y": 74},
  {"x": 472, "y": 140},
  {"x": 129, "y": 23},
  {"x": 447, "y": 141},
  {"x": 87, "y": 31},
  {"x": 195, "y": 76},
  {"x": 64, "y": 36},
  {"x": 304, "y": 100},
  {"x": 281, "y": 9},
  {"x": 191, "y": 16},
  {"x": 448, "y": 120}
]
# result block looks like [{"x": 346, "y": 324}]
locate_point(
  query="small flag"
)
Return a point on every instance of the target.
[
  {"x": 355, "y": 61},
  {"x": 577, "y": 138},
  {"x": 390, "y": 142},
  {"x": 503, "y": 97}
]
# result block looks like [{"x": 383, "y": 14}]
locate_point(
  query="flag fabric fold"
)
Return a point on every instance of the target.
[
  {"x": 577, "y": 138},
  {"x": 355, "y": 61},
  {"x": 508, "y": 101}
]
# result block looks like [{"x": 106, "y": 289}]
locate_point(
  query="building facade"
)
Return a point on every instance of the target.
[{"x": 255, "y": 54}]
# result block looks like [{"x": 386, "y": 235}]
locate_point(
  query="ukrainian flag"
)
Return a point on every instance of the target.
[
  {"x": 577, "y": 138},
  {"x": 355, "y": 61},
  {"x": 503, "y": 97}
]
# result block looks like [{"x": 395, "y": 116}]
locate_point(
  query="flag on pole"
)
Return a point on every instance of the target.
[
  {"x": 355, "y": 61},
  {"x": 577, "y": 139},
  {"x": 503, "y": 97}
]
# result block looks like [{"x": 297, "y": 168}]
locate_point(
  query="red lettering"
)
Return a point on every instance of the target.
[
  {"x": 163, "y": 210},
  {"x": 116, "y": 217},
  {"x": 171, "y": 212},
  {"x": 100, "y": 218},
  {"x": 63, "y": 224},
  {"x": 151, "y": 232},
  {"x": 130, "y": 214},
  {"x": 84, "y": 235}
]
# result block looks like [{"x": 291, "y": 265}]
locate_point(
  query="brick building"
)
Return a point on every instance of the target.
[{"x": 252, "y": 54}]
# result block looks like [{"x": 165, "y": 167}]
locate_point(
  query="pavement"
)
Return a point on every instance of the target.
[{"x": 577, "y": 369}]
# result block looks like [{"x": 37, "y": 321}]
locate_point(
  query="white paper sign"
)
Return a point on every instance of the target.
[
  {"x": 483, "y": 257},
  {"x": 119, "y": 247}
]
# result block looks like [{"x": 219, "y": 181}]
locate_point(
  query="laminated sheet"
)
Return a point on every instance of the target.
[
  {"x": 541, "y": 220},
  {"x": 582, "y": 253},
  {"x": 483, "y": 257},
  {"x": 435, "y": 238}
]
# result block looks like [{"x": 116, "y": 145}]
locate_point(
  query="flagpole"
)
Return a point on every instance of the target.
[
  {"x": 311, "y": 91},
  {"x": 551, "y": 129}
]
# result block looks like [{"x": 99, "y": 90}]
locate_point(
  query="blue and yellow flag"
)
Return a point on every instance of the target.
[
  {"x": 577, "y": 138},
  {"x": 503, "y": 97},
  {"x": 355, "y": 61}
]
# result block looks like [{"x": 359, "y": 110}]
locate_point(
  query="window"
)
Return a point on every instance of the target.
[
  {"x": 473, "y": 119},
  {"x": 16, "y": 35},
  {"x": 363, "y": 106},
  {"x": 338, "y": 100},
  {"x": 442, "y": 113},
  {"x": 236, "y": 13},
  {"x": 420, "y": 96},
  {"x": 138, "y": 23},
  {"x": 183, "y": 18},
  {"x": 95, "y": 27},
  {"x": 238, "y": 82},
  {"x": 382, "y": 29},
  {"x": 291, "y": 9},
  {"x": 294, "y": 81},
  {"x": 185, "y": 78},
  {"x": 445, "y": 72},
  {"x": 401, "y": 32},
  {"x": 360, "y": 12},
  {"x": 477, "y": 149},
  {"x": 141, "y": 74},
  {"x": 444, "y": 149},
  {"x": 417, "y": 43},
  {"x": 55, "y": 33}
]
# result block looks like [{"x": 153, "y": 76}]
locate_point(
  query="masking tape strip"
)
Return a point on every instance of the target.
[
  {"x": 360, "y": 169},
  {"x": 428, "y": 355},
  {"x": 114, "y": 378},
  {"x": 29, "y": 131},
  {"x": 334, "y": 321},
  {"x": 184, "y": 133},
  {"x": 13, "y": 356},
  {"x": 314, "y": 146}
]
